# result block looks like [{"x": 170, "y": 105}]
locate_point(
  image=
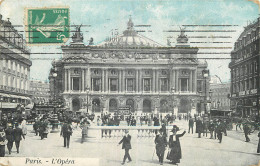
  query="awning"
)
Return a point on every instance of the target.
[
  {"x": 4, "y": 95},
  {"x": 9, "y": 105}
]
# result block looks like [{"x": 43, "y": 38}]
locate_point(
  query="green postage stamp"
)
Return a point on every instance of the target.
[{"x": 47, "y": 25}]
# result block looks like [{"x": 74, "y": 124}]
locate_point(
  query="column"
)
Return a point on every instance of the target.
[
  {"x": 170, "y": 80},
  {"x": 136, "y": 81},
  {"x": 177, "y": 80},
  {"x": 106, "y": 80},
  {"x": 66, "y": 80},
  {"x": 88, "y": 79},
  {"x": 69, "y": 80},
  {"x": 83, "y": 79},
  {"x": 173, "y": 79},
  {"x": 140, "y": 80},
  {"x": 153, "y": 89},
  {"x": 123, "y": 80},
  {"x": 103, "y": 81},
  {"x": 120, "y": 80},
  {"x": 157, "y": 81},
  {"x": 190, "y": 81},
  {"x": 194, "y": 81}
]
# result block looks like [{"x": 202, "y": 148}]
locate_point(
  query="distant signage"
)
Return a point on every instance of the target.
[
  {"x": 253, "y": 91},
  {"x": 123, "y": 110},
  {"x": 242, "y": 93},
  {"x": 247, "y": 92},
  {"x": 234, "y": 95}
]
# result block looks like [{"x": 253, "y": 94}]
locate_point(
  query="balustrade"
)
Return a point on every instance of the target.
[{"x": 117, "y": 132}]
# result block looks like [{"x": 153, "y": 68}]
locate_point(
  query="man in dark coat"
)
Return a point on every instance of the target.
[
  {"x": 199, "y": 127},
  {"x": 2, "y": 142},
  {"x": 211, "y": 128},
  {"x": 219, "y": 130},
  {"x": 246, "y": 131},
  {"x": 175, "y": 147},
  {"x": 258, "y": 148},
  {"x": 66, "y": 132},
  {"x": 161, "y": 143},
  {"x": 127, "y": 146},
  {"x": 9, "y": 132},
  {"x": 18, "y": 134},
  {"x": 191, "y": 124}
]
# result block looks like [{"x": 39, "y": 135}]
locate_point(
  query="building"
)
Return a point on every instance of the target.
[
  {"x": 14, "y": 68},
  {"x": 40, "y": 91},
  {"x": 244, "y": 68},
  {"x": 130, "y": 71},
  {"x": 219, "y": 96}
]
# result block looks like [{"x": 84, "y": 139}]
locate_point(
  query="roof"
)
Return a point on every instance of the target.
[{"x": 130, "y": 38}]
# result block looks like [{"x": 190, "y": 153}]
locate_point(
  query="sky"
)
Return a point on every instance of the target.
[{"x": 103, "y": 16}]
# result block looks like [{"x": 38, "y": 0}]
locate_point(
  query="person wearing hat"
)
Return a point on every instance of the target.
[
  {"x": 161, "y": 143},
  {"x": 211, "y": 128},
  {"x": 66, "y": 132},
  {"x": 9, "y": 132},
  {"x": 174, "y": 155},
  {"x": 199, "y": 127},
  {"x": 258, "y": 147},
  {"x": 18, "y": 134},
  {"x": 246, "y": 131},
  {"x": 2, "y": 142},
  {"x": 126, "y": 140}
]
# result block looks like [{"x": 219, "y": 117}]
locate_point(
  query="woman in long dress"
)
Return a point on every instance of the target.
[
  {"x": 174, "y": 155},
  {"x": 24, "y": 127}
]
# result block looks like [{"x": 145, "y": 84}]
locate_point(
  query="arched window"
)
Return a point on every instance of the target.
[
  {"x": 112, "y": 105},
  {"x": 147, "y": 106},
  {"x": 163, "y": 106},
  {"x": 130, "y": 104},
  {"x": 96, "y": 105}
]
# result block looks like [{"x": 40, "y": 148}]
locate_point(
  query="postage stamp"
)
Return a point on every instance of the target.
[{"x": 47, "y": 25}]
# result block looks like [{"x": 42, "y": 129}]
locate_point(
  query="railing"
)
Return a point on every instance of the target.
[{"x": 117, "y": 132}]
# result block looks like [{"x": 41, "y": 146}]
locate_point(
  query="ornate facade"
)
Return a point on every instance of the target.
[
  {"x": 14, "y": 68},
  {"x": 132, "y": 71},
  {"x": 244, "y": 66}
]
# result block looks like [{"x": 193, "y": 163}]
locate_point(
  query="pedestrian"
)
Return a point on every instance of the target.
[
  {"x": 127, "y": 146},
  {"x": 174, "y": 154},
  {"x": 225, "y": 127},
  {"x": 84, "y": 126},
  {"x": 66, "y": 132},
  {"x": 199, "y": 127},
  {"x": 246, "y": 131},
  {"x": 211, "y": 128},
  {"x": 9, "y": 132},
  {"x": 258, "y": 148},
  {"x": 191, "y": 124},
  {"x": 36, "y": 127},
  {"x": 18, "y": 134},
  {"x": 219, "y": 131},
  {"x": 164, "y": 130},
  {"x": 24, "y": 127},
  {"x": 205, "y": 128},
  {"x": 161, "y": 143},
  {"x": 2, "y": 142}
]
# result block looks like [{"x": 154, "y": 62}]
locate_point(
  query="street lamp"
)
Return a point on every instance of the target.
[
  {"x": 172, "y": 92},
  {"x": 87, "y": 89},
  {"x": 1, "y": 98},
  {"x": 210, "y": 97},
  {"x": 205, "y": 74}
]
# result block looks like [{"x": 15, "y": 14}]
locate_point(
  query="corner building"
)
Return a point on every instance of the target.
[
  {"x": 132, "y": 71},
  {"x": 244, "y": 68}
]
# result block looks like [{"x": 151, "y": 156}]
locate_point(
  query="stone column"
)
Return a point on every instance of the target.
[
  {"x": 120, "y": 80},
  {"x": 177, "y": 80},
  {"x": 195, "y": 81},
  {"x": 136, "y": 81},
  {"x": 106, "y": 80},
  {"x": 83, "y": 80},
  {"x": 69, "y": 80},
  {"x": 123, "y": 80},
  {"x": 103, "y": 81},
  {"x": 173, "y": 79},
  {"x": 140, "y": 80},
  {"x": 157, "y": 81},
  {"x": 153, "y": 90},
  {"x": 170, "y": 80},
  {"x": 88, "y": 78},
  {"x": 190, "y": 81},
  {"x": 66, "y": 81}
]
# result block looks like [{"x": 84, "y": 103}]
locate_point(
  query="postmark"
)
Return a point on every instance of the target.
[{"x": 47, "y": 25}]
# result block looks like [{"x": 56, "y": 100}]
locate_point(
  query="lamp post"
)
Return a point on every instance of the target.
[
  {"x": 172, "y": 93},
  {"x": 210, "y": 98},
  {"x": 87, "y": 89},
  {"x": 205, "y": 74},
  {"x": 1, "y": 98}
]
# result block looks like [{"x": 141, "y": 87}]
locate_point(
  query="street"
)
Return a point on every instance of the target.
[{"x": 233, "y": 151}]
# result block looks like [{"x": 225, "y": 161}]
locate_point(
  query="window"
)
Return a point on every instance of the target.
[
  {"x": 147, "y": 84},
  {"x": 184, "y": 84},
  {"x": 199, "y": 87},
  {"x": 130, "y": 82},
  {"x": 113, "y": 84},
  {"x": 75, "y": 82},
  {"x": 256, "y": 68},
  {"x": 164, "y": 84},
  {"x": 96, "y": 82}
]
